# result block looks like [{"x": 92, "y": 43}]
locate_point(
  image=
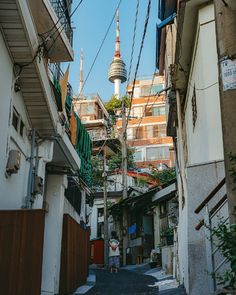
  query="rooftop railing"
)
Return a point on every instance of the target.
[{"x": 63, "y": 14}]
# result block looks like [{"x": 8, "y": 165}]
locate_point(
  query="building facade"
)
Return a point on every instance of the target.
[
  {"x": 194, "y": 122},
  {"x": 146, "y": 131},
  {"x": 44, "y": 174}
]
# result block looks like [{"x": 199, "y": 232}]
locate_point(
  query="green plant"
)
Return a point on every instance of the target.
[
  {"x": 164, "y": 176},
  {"x": 232, "y": 159},
  {"x": 225, "y": 235},
  {"x": 97, "y": 171},
  {"x": 115, "y": 104},
  {"x": 115, "y": 161}
]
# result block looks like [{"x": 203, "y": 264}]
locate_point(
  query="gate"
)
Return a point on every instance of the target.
[
  {"x": 21, "y": 251},
  {"x": 74, "y": 255}
]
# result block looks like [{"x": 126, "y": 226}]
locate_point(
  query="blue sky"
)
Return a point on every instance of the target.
[{"x": 91, "y": 21}]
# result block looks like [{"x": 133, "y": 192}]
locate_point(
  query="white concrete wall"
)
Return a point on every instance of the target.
[
  {"x": 53, "y": 234},
  {"x": 167, "y": 254},
  {"x": 205, "y": 140},
  {"x": 204, "y": 168},
  {"x": 98, "y": 203},
  {"x": 13, "y": 188}
]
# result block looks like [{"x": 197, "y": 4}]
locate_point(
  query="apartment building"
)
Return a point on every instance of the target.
[
  {"x": 44, "y": 162},
  {"x": 146, "y": 131}
]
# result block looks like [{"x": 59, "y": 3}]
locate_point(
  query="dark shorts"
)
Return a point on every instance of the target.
[{"x": 114, "y": 261}]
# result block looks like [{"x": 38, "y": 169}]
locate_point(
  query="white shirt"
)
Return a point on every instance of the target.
[{"x": 114, "y": 247}]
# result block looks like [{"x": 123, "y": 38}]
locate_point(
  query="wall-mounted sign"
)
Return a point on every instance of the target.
[{"x": 228, "y": 72}]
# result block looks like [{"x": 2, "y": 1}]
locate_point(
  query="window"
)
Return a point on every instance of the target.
[
  {"x": 138, "y": 156},
  {"x": 158, "y": 111},
  {"x": 148, "y": 111},
  {"x": 137, "y": 111},
  {"x": 15, "y": 119},
  {"x": 162, "y": 130},
  {"x": 194, "y": 108},
  {"x": 17, "y": 123},
  {"x": 21, "y": 128},
  {"x": 156, "y": 153},
  {"x": 147, "y": 90}
]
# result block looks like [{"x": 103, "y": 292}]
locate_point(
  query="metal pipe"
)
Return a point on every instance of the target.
[{"x": 30, "y": 177}]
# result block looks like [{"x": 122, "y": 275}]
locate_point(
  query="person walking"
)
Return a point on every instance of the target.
[{"x": 114, "y": 252}]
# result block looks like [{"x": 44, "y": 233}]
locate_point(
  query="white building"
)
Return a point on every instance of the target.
[
  {"x": 37, "y": 157},
  {"x": 190, "y": 64}
]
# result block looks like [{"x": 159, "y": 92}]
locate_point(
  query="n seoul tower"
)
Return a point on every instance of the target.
[{"x": 117, "y": 72}]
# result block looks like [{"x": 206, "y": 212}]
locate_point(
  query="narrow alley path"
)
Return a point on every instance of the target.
[{"x": 128, "y": 282}]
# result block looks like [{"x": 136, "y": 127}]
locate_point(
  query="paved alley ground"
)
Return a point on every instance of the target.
[{"x": 129, "y": 281}]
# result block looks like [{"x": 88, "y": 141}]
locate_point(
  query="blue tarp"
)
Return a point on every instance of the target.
[{"x": 132, "y": 229}]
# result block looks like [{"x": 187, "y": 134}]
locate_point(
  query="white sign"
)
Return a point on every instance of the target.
[{"x": 228, "y": 72}]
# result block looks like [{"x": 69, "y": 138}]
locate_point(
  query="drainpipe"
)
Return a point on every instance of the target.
[
  {"x": 29, "y": 196},
  {"x": 181, "y": 147}
]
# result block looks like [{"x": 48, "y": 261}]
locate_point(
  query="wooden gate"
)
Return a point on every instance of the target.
[
  {"x": 21, "y": 251},
  {"x": 74, "y": 255}
]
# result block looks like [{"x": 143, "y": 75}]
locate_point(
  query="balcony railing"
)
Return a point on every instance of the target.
[
  {"x": 83, "y": 142},
  {"x": 63, "y": 14}
]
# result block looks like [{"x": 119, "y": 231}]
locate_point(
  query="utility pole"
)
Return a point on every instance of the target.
[
  {"x": 225, "y": 15},
  {"x": 124, "y": 179},
  {"x": 105, "y": 208}
]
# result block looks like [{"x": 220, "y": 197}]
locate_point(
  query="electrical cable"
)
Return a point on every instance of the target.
[
  {"x": 133, "y": 42},
  {"x": 62, "y": 15},
  {"x": 188, "y": 80},
  {"x": 149, "y": 96},
  {"x": 100, "y": 47},
  {"x": 139, "y": 58}
]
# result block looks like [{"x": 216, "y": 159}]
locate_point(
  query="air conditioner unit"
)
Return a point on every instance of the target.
[{"x": 13, "y": 163}]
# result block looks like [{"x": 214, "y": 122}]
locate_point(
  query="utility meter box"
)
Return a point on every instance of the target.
[
  {"x": 13, "y": 163},
  {"x": 38, "y": 185}
]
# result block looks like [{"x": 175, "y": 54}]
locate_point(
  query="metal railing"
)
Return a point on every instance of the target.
[
  {"x": 63, "y": 14},
  {"x": 57, "y": 72},
  {"x": 213, "y": 216}
]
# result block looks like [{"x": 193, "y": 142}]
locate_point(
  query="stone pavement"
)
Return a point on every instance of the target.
[{"x": 132, "y": 281}]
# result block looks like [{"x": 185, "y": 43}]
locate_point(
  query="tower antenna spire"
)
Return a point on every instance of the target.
[
  {"x": 81, "y": 81},
  {"x": 117, "y": 52},
  {"x": 117, "y": 72}
]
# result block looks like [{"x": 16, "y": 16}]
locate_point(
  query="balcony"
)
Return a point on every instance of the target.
[
  {"x": 52, "y": 20},
  {"x": 82, "y": 145}
]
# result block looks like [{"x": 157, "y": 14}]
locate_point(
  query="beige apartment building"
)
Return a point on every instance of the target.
[{"x": 146, "y": 130}]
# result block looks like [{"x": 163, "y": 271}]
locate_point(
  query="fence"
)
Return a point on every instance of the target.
[
  {"x": 75, "y": 255},
  {"x": 21, "y": 251}
]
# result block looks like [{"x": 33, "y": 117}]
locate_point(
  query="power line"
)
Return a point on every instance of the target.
[
  {"x": 61, "y": 26},
  {"x": 149, "y": 96},
  {"x": 188, "y": 80},
  {"x": 133, "y": 43},
  {"x": 139, "y": 58},
  {"x": 62, "y": 15},
  {"x": 100, "y": 47}
]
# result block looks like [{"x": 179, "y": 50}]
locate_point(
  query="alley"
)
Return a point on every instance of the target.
[{"x": 128, "y": 282}]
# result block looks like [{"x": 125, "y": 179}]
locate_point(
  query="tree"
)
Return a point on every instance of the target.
[
  {"x": 97, "y": 171},
  {"x": 164, "y": 176},
  {"x": 115, "y": 161},
  {"x": 115, "y": 104}
]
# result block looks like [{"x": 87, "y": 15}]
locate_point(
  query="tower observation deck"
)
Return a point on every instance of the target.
[{"x": 117, "y": 72}]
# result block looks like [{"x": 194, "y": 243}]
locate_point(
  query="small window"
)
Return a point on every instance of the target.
[
  {"x": 22, "y": 125},
  {"x": 138, "y": 156},
  {"x": 157, "y": 153},
  {"x": 17, "y": 123},
  {"x": 15, "y": 119},
  {"x": 148, "y": 112},
  {"x": 158, "y": 111}
]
